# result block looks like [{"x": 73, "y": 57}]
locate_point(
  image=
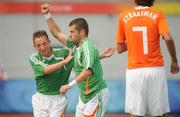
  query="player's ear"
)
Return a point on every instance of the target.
[
  {"x": 82, "y": 31},
  {"x": 34, "y": 44}
]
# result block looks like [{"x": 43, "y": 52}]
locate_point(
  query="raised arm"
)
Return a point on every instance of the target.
[
  {"x": 53, "y": 27},
  {"x": 172, "y": 51}
]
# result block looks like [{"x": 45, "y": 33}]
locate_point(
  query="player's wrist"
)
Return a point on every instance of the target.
[
  {"x": 47, "y": 16},
  {"x": 72, "y": 83},
  {"x": 63, "y": 62},
  {"x": 102, "y": 56},
  {"x": 66, "y": 61}
]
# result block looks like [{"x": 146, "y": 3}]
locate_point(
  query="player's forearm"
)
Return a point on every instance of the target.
[
  {"x": 102, "y": 56},
  {"x": 53, "y": 67},
  {"x": 107, "y": 53},
  {"x": 53, "y": 27},
  {"x": 83, "y": 75},
  {"x": 121, "y": 48},
  {"x": 55, "y": 30},
  {"x": 171, "y": 48}
]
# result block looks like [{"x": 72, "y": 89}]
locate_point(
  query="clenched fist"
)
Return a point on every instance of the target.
[
  {"x": 64, "y": 89},
  {"x": 45, "y": 8}
]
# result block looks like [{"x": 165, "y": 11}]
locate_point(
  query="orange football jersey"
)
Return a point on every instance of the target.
[{"x": 141, "y": 29}]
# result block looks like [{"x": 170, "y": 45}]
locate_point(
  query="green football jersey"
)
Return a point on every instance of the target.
[
  {"x": 87, "y": 57},
  {"x": 49, "y": 84}
]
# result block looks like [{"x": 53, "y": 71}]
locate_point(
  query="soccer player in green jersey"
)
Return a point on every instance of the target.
[
  {"x": 94, "y": 94},
  {"x": 52, "y": 69}
]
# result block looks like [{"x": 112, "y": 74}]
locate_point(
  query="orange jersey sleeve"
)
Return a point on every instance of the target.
[
  {"x": 141, "y": 29},
  {"x": 162, "y": 24},
  {"x": 120, "y": 36}
]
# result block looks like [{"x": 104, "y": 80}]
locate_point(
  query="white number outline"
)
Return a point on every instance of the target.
[{"x": 143, "y": 29}]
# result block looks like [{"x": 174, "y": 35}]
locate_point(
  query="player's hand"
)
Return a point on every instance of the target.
[
  {"x": 70, "y": 56},
  {"x": 64, "y": 89},
  {"x": 108, "y": 52},
  {"x": 174, "y": 68},
  {"x": 45, "y": 8}
]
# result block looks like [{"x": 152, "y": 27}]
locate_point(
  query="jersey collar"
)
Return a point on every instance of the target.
[
  {"x": 141, "y": 7},
  {"x": 48, "y": 58}
]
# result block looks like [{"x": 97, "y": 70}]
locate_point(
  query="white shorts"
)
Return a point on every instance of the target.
[
  {"x": 95, "y": 107},
  {"x": 49, "y": 105},
  {"x": 146, "y": 91}
]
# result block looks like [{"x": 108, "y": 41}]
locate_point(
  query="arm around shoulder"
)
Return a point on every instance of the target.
[{"x": 53, "y": 67}]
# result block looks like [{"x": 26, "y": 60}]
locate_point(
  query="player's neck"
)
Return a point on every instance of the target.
[{"x": 81, "y": 41}]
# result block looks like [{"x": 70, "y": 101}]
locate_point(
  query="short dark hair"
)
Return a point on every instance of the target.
[
  {"x": 80, "y": 23},
  {"x": 38, "y": 34},
  {"x": 144, "y": 2}
]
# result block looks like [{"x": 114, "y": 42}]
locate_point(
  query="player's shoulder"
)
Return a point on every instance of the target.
[
  {"x": 126, "y": 12},
  {"x": 88, "y": 41},
  {"x": 34, "y": 54},
  {"x": 57, "y": 50},
  {"x": 60, "y": 52},
  {"x": 160, "y": 14},
  {"x": 155, "y": 10},
  {"x": 34, "y": 57}
]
